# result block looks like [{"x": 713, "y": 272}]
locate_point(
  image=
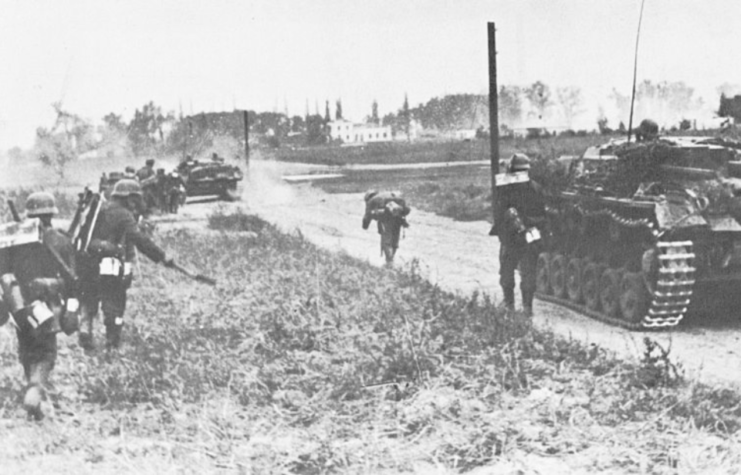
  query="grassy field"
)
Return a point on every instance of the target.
[
  {"x": 303, "y": 361},
  {"x": 459, "y": 192}
]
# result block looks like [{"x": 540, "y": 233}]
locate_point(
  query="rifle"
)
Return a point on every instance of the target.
[
  {"x": 197, "y": 277},
  {"x": 14, "y": 211}
]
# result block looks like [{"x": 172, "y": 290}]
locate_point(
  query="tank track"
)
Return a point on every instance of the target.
[{"x": 669, "y": 298}]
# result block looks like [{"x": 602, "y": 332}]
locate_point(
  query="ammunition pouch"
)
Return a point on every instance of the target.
[
  {"x": 114, "y": 267},
  {"x": 39, "y": 318},
  {"x": 101, "y": 248}
]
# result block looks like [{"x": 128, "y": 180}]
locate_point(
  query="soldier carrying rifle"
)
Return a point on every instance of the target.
[
  {"x": 519, "y": 220},
  {"x": 106, "y": 266}
]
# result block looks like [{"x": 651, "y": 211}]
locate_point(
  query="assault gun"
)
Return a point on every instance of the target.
[{"x": 197, "y": 277}]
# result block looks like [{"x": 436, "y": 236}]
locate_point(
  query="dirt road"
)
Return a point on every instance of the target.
[{"x": 461, "y": 257}]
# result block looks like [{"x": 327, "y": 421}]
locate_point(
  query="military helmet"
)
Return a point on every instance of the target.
[
  {"x": 370, "y": 194},
  {"x": 149, "y": 162},
  {"x": 40, "y": 203},
  {"x": 519, "y": 163},
  {"x": 130, "y": 170},
  {"x": 126, "y": 187}
]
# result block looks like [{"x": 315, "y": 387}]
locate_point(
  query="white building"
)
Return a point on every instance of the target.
[{"x": 349, "y": 132}]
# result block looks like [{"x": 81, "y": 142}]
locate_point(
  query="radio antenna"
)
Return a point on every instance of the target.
[{"x": 635, "y": 73}]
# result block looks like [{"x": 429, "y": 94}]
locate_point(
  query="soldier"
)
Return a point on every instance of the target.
[
  {"x": 39, "y": 294},
  {"x": 105, "y": 270},
  {"x": 146, "y": 171},
  {"x": 130, "y": 172},
  {"x": 175, "y": 192},
  {"x": 518, "y": 221},
  {"x": 389, "y": 209}
]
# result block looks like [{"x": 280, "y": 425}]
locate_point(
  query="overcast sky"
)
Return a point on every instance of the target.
[{"x": 101, "y": 56}]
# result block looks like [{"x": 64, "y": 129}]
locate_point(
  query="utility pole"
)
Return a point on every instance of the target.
[
  {"x": 246, "y": 138},
  {"x": 493, "y": 111}
]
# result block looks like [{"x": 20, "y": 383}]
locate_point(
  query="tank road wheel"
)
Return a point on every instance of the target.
[
  {"x": 609, "y": 294},
  {"x": 574, "y": 279},
  {"x": 557, "y": 275},
  {"x": 542, "y": 274},
  {"x": 633, "y": 297},
  {"x": 590, "y": 279}
]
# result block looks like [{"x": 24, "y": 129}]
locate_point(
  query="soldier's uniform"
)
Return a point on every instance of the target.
[
  {"x": 389, "y": 209},
  {"x": 520, "y": 208},
  {"x": 106, "y": 269},
  {"x": 146, "y": 171},
  {"x": 39, "y": 293},
  {"x": 175, "y": 189}
]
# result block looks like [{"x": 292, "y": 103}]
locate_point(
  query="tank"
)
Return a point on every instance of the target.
[
  {"x": 210, "y": 177},
  {"x": 642, "y": 234}
]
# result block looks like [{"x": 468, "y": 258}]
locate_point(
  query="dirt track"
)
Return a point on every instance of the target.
[{"x": 461, "y": 257}]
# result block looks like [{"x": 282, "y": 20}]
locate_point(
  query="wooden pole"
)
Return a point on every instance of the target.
[
  {"x": 246, "y": 138},
  {"x": 635, "y": 72},
  {"x": 493, "y": 110}
]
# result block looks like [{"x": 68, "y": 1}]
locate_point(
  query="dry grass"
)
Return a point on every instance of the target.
[{"x": 301, "y": 361}]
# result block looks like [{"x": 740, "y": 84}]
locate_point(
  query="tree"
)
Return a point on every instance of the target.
[
  {"x": 327, "y": 117},
  {"x": 298, "y": 123},
  {"x": 315, "y": 130},
  {"x": 539, "y": 96},
  {"x": 570, "y": 101},
  {"x": 114, "y": 122},
  {"x": 338, "y": 110},
  {"x": 62, "y": 143},
  {"x": 146, "y": 129},
  {"x": 510, "y": 105}
]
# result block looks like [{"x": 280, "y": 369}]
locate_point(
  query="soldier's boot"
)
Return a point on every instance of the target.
[
  {"x": 36, "y": 392},
  {"x": 509, "y": 298},
  {"x": 85, "y": 334},
  {"x": 113, "y": 336},
  {"x": 527, "y": 303}
]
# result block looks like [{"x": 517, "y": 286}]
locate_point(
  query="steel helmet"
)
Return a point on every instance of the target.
[
  {"x": 149, "y": 162},
  {"x": 126, "y": 187},
  {"x": 519, "y": 163},
  {"x": 40, "y": 203},
  {"x": 370, "y": 194}
]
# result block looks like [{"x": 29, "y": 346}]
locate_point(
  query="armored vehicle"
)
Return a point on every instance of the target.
[
  {"x": 642, "y": 234},
  {"x": 210, "y": 177}
]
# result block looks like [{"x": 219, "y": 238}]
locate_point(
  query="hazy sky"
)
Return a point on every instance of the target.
[{"x": 99, "y": 56}]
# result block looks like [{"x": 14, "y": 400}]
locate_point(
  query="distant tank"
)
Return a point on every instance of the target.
[
  {"x": 210, "y": 177},
  {"x": 642, "y": 234}
]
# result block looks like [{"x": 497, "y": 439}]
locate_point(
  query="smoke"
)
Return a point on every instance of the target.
[{"x": 263, "y": 182}]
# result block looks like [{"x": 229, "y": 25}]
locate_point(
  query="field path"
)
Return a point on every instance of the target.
[{"x": 461, "y": 257}]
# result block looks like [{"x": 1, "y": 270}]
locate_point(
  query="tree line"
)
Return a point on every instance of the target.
[{"x": 153, "y": 131}]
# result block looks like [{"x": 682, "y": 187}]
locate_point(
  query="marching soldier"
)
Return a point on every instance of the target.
[
  {"x": 518, "y": 221},
  {"x": 105, "y": 270},
  {"x": 146, "y": 171},
  {"x": 389, "y": 209},
  {"x": 38, "y": 292}
]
